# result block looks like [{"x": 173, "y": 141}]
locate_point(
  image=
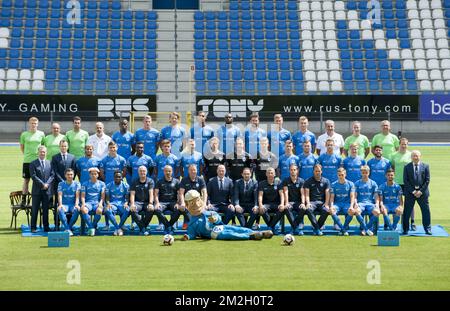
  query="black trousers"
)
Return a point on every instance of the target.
[
  {"x": 288, "y": 212},
  {"x": 40, "y": 200},
  {"x": 221, "y": 208},
  {"x": 301, "y": 214},
  {"x": 269, "y": 208},
  {"x": 247, "y": 208},
  {"x": 174, "y": 213},
  {"x": 424, "y": 204},
  {"x": 316, "y": 209}
]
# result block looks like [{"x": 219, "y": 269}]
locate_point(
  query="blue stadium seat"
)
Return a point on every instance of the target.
[
  {"x": 341, "y": 24},
  {"x": 293, "y": 25},
  {"x": 345, "y": 54},
  {"x": 64, "y": 64},
  {"x": 348, "y": 86},
  {"x": 405, "y": 44},
  {"x": 410, "y": 75},
  {"x": 268, "y": 6},
  {"x": 381, "y": 54},
  {"x": 249, "y": 86},
  {"x": 384, "y": 75},
  {"x": 273, "y": 75},
  {"x": 342, "y": 35},
  {"x": 63, "y": 85},
  {"x": 374, "y": 85},
  {"x": 260, "y": 75},
  {"x": 274, "y": 86},
  {"x": 411, "y": 85},
  {"x": 357, "y": 64},
  {"x": 372, "y": 75},
  {"x": 236, "y": 75},
  {"x": 368, "y": 44},
  {"x": 355, "y": 44},
  {"x": 262, "y": 86},
  {"x": 361, "y": 86},
  {"x": 386, "y": 85},
  {"x": 396, "y": 64},
  {"x": 347, "y": 75},
  {"x": 357, "y": 54},
  {"x": 299, "y": 86},
  {"x": 236, "y": 65},
  {"x": 224, "y": 75},
  {"x": 225, "y": 86},
  {"x": 397, "y": 74},
  {"x": 224, "y": 54},
  {"x": 399, "y": 85},
  {"x": 237, "y": 86},
  {"x": 359, "y": 75}
]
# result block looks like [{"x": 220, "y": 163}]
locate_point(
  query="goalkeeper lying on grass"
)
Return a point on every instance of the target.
[{"x": 208, "y": 224}]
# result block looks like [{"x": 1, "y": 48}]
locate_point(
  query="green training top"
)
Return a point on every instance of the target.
[
  {"x": 389, "y": 143},
  {"x": 400, "y": 160},
  {"x": 31, "y": 142},
  {"x": 361, "y": 140},
  {"x": 77, "y": 142},
  {"x": 52, "y": 144}
]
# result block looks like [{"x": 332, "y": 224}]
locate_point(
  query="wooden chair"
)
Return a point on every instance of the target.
[{"x": 19, "y": 202}]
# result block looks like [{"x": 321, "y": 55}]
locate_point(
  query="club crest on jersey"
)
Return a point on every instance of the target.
[{"x": 196, "y": 184}]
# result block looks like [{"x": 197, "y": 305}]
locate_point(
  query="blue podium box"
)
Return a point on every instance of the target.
[
  {"x": 388, "y": 238},
  {"x": 58, "y": 239}
]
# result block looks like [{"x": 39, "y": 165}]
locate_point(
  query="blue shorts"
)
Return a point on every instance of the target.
[
  {"x": 92, "y": 207},
  {"x": 68, "y": 208},
  {"x": 391, "y": 208},
  {"x": 342, "y": 208},
  {"x": 117, "y": 208},
  {"x": 366, "y": 208}
]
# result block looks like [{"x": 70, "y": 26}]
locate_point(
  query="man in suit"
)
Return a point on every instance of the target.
[
  {"x": 245, "y": 196},
  {"x": 416, "y": 178},
  {"x": 42, "y": 175},
  {"x": 220, "y": 194},
  {"x": 60, "y": 162}
]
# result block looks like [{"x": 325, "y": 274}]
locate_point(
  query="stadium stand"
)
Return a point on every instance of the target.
[
  {"x": 111, "y": 50},
  {"x": 255, "y": 47},
  {"x": 276, "y": 47}
]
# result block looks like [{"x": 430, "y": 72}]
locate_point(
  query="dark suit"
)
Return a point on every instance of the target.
[
  {"x": 411, "y": 183},
  {"x": 40, "y": 196},
  {"x": 59, "y": 167},
  {"x": 247, "y": 199},
  {"x": 220, "y": 199}
]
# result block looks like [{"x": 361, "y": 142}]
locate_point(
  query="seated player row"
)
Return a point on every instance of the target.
[{"x": 270, "y": 198}]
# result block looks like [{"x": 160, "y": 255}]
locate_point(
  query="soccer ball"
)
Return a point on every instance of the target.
[
  {"x": 168, "y": 240},
  {"x": 288, "y": 239}
]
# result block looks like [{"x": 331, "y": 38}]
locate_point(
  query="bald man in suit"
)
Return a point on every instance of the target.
[
  {"x": 42, "y": 175},
  {"x": 416, "y": 179}
]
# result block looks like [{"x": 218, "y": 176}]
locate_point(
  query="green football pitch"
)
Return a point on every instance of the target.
[{"x": 141, "y": 263}]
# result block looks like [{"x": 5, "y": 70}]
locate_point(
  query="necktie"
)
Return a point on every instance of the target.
[
  {"x": 246, "y": 186},
  {"x": 43, "y": 164},
  {"x": 221, "y": 184},
  {"x": 416, "y": 173},
  {"x": 64, "y": 157}
]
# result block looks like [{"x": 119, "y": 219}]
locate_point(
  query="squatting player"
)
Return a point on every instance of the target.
[
  {"x": 68, "y": 199},
  {"x": 342, "y": 200},
  {"x": 391, "y": 200},
  {"x": 367, "y": 199},
  {"x": 117, "y": 195},
  {"x": 92, "y": 198}
]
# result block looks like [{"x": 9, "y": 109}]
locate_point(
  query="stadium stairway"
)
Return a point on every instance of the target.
[{"x": 175, "y": 50}]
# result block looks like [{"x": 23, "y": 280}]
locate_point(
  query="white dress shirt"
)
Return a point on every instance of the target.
[{"x": 100, "y": 145}]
